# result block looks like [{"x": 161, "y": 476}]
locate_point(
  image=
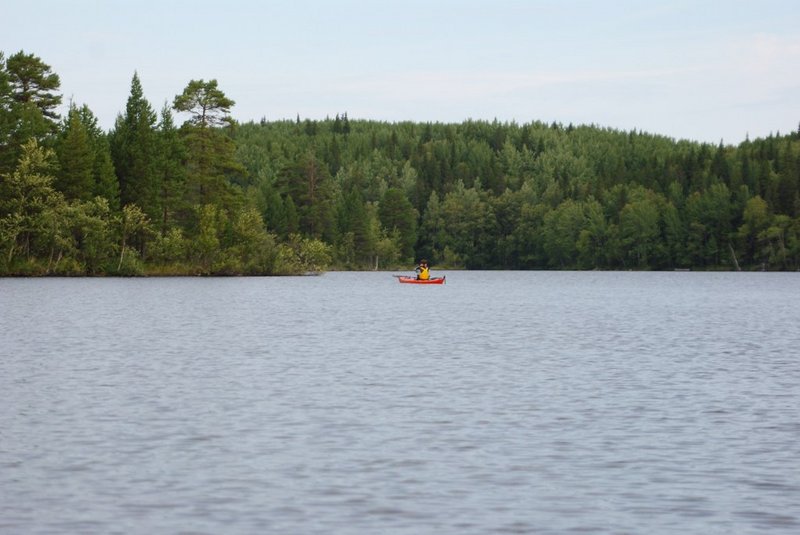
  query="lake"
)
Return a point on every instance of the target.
[{"x": 500, "y": 402}]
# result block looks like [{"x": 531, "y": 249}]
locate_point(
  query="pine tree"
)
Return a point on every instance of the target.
[
  {"x": 206, "y": 103},
  {"x": 33, "y": 82},
  {"x": 210, "y": 158},
  {"x": 6, "y": 118},
  {"x": 28, "y": 100}
]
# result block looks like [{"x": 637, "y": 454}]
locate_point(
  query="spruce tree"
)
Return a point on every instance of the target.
[
  {"x": 76, "y": 159},
  {"x": 104, "y": 178},
  {"x": 397, "y": 214},
  {"x": 170, "y": 170},
  {"x": 133, "y": 151}
]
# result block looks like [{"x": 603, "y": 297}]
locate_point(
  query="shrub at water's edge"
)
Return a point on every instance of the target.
[{"x": 46, "y": 234}]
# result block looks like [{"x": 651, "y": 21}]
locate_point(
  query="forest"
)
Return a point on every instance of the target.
[{"x": 212, "y": 196}]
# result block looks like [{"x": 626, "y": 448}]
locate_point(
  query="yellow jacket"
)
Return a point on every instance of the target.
[{"x": 423, "y": 273}]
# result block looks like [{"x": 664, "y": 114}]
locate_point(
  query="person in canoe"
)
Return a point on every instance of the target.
[{"x": 423, "y": 273}]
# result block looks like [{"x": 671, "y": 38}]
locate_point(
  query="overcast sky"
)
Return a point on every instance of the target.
[{"x": 688, "y": 69}]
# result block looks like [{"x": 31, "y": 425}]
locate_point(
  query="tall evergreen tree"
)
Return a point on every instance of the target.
[
  {"x": 397, "y": 214},
  {"x": 354, "y": 228},
  {"x": 6, "y": 118},
  {"x": 206, "y": 103},
  {"x": 272, "y": 208},
  {"x": 170, "y": 170},
  {"x": 33, "y": 82},
  {"x": 104, "y": 178},
  {"x": 210, "y": 158},
  {"x": 28, "y": 100},
  {"x": 134, "y": 152},
  {"x": 75, "y": 178}
]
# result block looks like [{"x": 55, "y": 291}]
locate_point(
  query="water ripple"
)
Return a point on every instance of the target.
[{"x": 517, "y": 403}]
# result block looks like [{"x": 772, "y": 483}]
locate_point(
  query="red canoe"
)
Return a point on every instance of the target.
[{"x": 414, "y": 280}]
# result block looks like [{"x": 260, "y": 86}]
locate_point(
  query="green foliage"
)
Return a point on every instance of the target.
[
  {"x": 6, "y": 102},
  {"x": 210, "y": 166},
  {"x": 105, "y": 179},
  {"x": 302, "y": 255},
  {"x": 75, "y": 178},
  {"x": 595, "y": 239},
  {"x": 468, "y": 221},
  {"x": 170, "y": 173},
  {"x": 28, "y": 100},
  {"x": 93, "y": 227},
  {"x": 388, "y": 251},
  {"x": 399, "y": 217},
  {"x": 33, "y": 82},
  {"x": 285, "y": 197},
  {"x": 133, "y": 223},
  {"x": 205, "y": 102},
  {"x": 206, "y": 250},
  {"x": 134, "y": 152},
  {"x": 640, "y": 230},
  {"x": 253, "y": 248},
  {"x": 27, "y": 197},
  {"x": 356, "y": 229},
  {"x": 756, "y": 220},
  {"x": 169, "y": 249},
  {"x": 561, "y": 229}
]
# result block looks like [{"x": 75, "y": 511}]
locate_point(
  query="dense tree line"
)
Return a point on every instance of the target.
[
  {"x": 146, "y": 197},
  {"x": 214, "y": 196},
  {"x": 532, "y": 196}
]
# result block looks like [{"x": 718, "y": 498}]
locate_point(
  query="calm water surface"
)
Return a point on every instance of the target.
[{"x": 501, "y": 402}]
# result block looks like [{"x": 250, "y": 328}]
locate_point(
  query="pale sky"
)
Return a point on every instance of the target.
[{"x": 687, "y": 69}]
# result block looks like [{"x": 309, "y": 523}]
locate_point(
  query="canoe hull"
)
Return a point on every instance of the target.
[{"x": 414, "y": 280}]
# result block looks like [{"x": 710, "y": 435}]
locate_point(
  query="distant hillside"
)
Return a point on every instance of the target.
[{"x": 287, "y": 197}]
